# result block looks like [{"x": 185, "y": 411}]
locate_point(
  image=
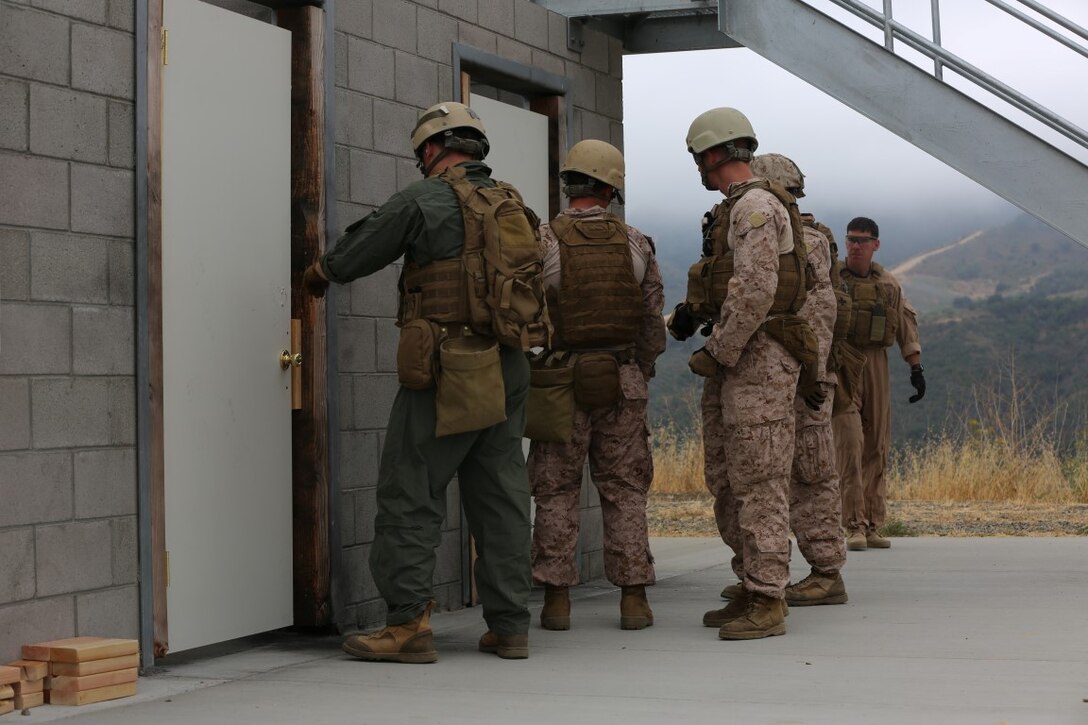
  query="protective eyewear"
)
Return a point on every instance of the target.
[{"x": 857, "y": 240}]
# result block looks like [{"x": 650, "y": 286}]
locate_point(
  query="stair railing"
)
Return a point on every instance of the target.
[{"x": 942, "y": 58}]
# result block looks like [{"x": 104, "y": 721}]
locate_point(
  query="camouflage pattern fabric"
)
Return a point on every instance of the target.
[
  {"x": 748, "y": 406},
  {"x": 615, "y": 438},
  {"x": 620, "y": 465},
  {"x": 815, "y": 503}
]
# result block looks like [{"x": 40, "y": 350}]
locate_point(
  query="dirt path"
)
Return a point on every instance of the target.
[
  {"x": 913, "y": 262},
  {"x": 693, "y": 515}
]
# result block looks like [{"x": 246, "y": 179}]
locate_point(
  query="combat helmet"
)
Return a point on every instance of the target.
[
  {"x": 442, "y": 119},
  {"x": 597, "y": 160},
  {"x": 781, "y": 170},
  {"x": 720, "y": 127}
]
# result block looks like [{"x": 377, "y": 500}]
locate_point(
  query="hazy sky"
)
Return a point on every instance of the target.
[{"x": 852, "y": 165}]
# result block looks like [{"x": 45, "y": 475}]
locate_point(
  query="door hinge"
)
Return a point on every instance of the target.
[
  {"x": 165, "y": 43},
  {"x": 168, "y": 568}
]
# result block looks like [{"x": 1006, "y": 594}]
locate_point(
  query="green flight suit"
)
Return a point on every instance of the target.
[{"x": 424, "y": 223}]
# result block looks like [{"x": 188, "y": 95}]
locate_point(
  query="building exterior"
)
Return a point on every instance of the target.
[{"x": 86, "y": 329}]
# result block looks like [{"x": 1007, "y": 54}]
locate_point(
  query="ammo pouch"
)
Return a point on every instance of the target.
[
  {"x": 416, "y": 354},
  {"x": 596, "y": 379},
  {"x": 471, "y": 393},
  {"x": 708, "y": 282},
  {"x": 796, "y": 335},
  {"x": 550, "y": 407}
]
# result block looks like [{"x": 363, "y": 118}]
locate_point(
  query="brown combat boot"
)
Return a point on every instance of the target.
[
  {"x": 411, "y": 642},
  {"x": 816, "y": 589},
  {"x": 732, "y": 591},
  {"x": 876, "y": 541},
  {"x": 764, "y": 617},
  {"x": 635, "y": 612},
  {"x": 736, "y": 607},
  {"x": 507, "y": 646},
  {"x": 857, "y": 541},
  {"x": 556, "y": 612}
]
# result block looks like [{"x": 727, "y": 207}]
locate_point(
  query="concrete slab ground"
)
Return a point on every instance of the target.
[{"x": 936, "y": 631}]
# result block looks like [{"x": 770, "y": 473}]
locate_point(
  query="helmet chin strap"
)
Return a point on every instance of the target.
[
  {"x": 453, "y": 143},
  {"x": 732, "y": 153}
]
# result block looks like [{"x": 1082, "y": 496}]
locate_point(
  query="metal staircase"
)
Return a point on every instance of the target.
[{"x": 922, "y": 108}]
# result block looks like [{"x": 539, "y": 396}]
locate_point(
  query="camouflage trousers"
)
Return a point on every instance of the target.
[
  {"x": 815, "y": 504},
  {"x": 748, "y": 443},
  {"x": 617, "y": 442}
]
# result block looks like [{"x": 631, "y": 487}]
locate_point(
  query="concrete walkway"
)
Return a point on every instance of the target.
[{"x": 936, "y": 631}]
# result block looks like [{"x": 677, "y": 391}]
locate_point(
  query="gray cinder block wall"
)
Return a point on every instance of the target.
[
  {"x": 68, "y": 559},
  {"x": 394, "y": 59}
]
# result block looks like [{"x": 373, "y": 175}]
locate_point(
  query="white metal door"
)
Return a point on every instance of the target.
[
  {"x": 226, "y": 317},
  {"x": 519, "y": 149}
]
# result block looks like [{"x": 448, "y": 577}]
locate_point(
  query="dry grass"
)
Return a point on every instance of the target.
[{"x": 1004, "y": 475}]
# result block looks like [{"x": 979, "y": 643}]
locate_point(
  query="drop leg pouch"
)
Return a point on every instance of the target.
[
  {"x": 550, "y": 408},
  {"x": 471, "y": 393}
]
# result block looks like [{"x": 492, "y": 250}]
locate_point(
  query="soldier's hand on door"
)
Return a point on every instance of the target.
[
  {"x": 314, "y": 281},
  {"x": 918, "y": 381}
]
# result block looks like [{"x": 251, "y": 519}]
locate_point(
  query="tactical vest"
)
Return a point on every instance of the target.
[
  {"x": 495, "y": 287},
  {"x": 599, "y": 300},
  {"x": 875, "y": 320},
  {"x": 708, "y": 279}
]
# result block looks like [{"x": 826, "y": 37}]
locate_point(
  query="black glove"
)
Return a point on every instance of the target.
[
  {"x": 809, "y": 388},
  {"x": 703, "y": 363},
  {"x": 682, "y": 323},
  {"x": 313, "y": 281},
  {"x": 918, "y": 380}
]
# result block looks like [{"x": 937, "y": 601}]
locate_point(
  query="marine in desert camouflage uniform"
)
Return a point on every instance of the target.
[
  {"x": 615, "y": 436},
  {"x": 748, "y": 396}
]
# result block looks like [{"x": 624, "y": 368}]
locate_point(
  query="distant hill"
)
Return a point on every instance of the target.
[{"x": 1015, "y": 295}]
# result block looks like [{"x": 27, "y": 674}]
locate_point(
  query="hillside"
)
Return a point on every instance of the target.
[{"x": 1001, "y": 302}]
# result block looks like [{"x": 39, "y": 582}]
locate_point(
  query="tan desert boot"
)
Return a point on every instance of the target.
[
  {"x": 876, "y": 541},
  {"x": 635, "y": 612},
  {"x": 411, "y": 642},
  {"x": 856, "y": 541},
  {"x": 816, "y": 589},
  {"x": 736, "y": 607},
  {"x": 507, "y": 646},
  {"x": 763, "y": 617},
  {"x": 732, "y": 591},
  {"x": 556, "y": 612}
]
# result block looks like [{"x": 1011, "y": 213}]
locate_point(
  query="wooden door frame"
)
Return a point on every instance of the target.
[
  {"x": 311, "y": 474},
  {"x": 548, "y": 95}
]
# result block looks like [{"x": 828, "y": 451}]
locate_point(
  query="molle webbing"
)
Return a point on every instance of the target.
[
  {"x": 600, "y": 301},
  {"x": 708, "y": 279},
  {"x": 434, "y": 291},
  {"x": 875, "y": 320},
  {"x": 502, "y": 262}
]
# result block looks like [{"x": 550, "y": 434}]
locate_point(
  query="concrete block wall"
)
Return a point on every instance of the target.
[
  {"x": 394, "y": 59},
  {"x": 67, "y": 358}
]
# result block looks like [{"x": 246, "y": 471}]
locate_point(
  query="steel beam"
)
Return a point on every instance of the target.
[{"x": 942, "y": 121}]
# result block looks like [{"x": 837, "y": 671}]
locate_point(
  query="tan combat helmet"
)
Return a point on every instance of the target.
[
  {"x": 720, "y": 127},
  {"x": 443, "y": 119},
  {"x": 597, "y": 160},
  {"x": 781, "y": 170}
]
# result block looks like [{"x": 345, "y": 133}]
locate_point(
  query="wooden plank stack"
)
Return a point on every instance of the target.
[
  {"x": 29, "y": 690},
  {"x": 8, "y": 677},
  {"x": 83, "y": 670}
]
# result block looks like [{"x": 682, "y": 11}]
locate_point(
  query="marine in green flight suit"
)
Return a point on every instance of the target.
[{"x": 424, "y": 223}]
